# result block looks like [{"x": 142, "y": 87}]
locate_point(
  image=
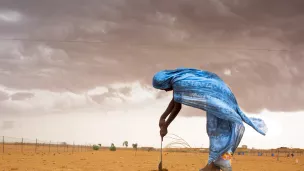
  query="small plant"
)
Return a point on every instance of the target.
[
  {"x": 112, "y": 148},
  {"x": 125, "y": 143},
  {"x": 96, "y": 147},
  {"x": 135, "y": 147},
  {"x": 99, "y": 145}
]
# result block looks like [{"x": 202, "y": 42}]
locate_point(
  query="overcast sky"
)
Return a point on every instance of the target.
[{"x": 96, "y": 87}]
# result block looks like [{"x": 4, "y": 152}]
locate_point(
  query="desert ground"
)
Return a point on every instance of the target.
[{"x": 125, "y": 160}]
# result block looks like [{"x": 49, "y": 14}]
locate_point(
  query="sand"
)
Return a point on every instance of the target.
[{"x": 124, "y": 160}]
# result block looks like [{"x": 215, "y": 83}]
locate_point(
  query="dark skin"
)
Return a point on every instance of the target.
[{"x": 172, "y": 111}]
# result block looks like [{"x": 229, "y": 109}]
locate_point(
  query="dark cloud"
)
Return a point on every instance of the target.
[
  {"x": 140, "y": 37},
  {"x": 22, "y": 96},
  {"x": 137, "y": 21},
  {"x": 6, "y": 125}
]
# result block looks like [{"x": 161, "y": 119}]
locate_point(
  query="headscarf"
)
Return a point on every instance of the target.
[{"x": 207, "y": 91}]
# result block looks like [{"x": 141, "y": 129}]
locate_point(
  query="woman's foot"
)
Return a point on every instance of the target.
[{"x": 210, "y": 167}]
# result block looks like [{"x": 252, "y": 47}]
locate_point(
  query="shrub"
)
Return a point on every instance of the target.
[
  {"x": 134, "y": 146},
  {"x": 96, "y": 147},
  {"x": 125, "y": 143},
  {"x": 112, "y": 148}
]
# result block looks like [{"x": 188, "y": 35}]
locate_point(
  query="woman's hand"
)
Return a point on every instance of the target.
[
  {"x": 163, "y": 132},
  {"x": 163, "y": 128},
  {"x": 162, "y": 123}
]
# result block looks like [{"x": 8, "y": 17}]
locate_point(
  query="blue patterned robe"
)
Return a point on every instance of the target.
[{"x": 206, "y": 91}]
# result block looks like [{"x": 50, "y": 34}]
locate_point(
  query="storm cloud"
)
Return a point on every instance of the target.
[{"x": 74, "y": 46}]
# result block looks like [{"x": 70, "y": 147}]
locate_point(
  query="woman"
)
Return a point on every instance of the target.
[{"x": 206, "y": 91}]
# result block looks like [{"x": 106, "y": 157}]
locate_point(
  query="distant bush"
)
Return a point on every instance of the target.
[
  {"x": 112, "y": 148},
  {"x": 134, "y": 146},
  {"x": 125, "y": 143},
  {"x": 96, "y": 147}
]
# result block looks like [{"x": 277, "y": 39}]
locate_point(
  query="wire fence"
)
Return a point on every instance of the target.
[
  {"x": 271, "y": 153},
  {"x": 23, "y": 145}
]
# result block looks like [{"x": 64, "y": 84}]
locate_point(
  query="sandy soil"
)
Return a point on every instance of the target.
[{"x": 125, "y": 160}]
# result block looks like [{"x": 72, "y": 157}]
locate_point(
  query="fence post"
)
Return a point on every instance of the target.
[
  {"x": 50, "y": 147},
  {"x": 22, "y": 146},
  {"x": 57, "y": 147},
  {"x": 73, "y": 147},
  {"x": 3, "y": 144},
  {"x": 36, "y": 145}
]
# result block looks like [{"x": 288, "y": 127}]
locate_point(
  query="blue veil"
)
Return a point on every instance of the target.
[{"x": 205, "y": 90}]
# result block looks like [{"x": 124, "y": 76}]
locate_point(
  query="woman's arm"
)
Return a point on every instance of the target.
[
  {"x": 163, "y": 124},
  {"x": 176, "y": 109},
  {"x": 168, "y": 110},
  {"x": 162, "y": 120}
]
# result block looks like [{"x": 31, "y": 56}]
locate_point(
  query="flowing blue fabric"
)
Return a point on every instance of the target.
[{"x": 207, "y": 91}]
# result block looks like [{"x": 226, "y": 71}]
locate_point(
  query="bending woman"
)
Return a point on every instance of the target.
[{"x": 205, "y": 90}]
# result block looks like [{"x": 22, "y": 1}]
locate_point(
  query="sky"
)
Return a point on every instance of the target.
[{"x": 81, "y": 70}]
